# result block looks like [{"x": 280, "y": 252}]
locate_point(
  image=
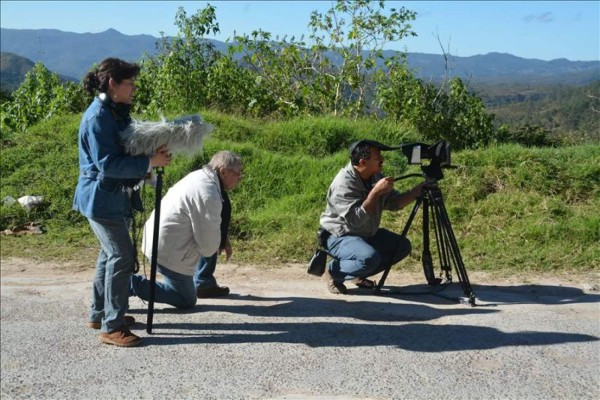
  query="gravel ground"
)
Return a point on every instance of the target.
[{"x": 281, "y": 335}]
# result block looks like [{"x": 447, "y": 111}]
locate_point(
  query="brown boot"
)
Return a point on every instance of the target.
[{"x": 120, "y": 337}]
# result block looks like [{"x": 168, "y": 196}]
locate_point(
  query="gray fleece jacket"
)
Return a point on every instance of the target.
[{"x": 344, "y": 214}]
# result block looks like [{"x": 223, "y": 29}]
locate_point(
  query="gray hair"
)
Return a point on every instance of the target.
[{"x": 225, "y": 159}]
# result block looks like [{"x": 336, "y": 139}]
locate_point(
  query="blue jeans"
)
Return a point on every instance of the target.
[
  {"x": 176, "y": 289},
  {"x": 357, "y": 257},
  {"x": 205, "y": 270},
  {"x": 116, "y": 261}
]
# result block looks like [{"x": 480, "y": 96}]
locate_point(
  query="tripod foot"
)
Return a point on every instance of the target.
[{"x": 467, "y": 300}]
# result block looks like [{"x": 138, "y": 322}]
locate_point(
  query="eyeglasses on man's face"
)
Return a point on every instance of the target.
[{"x": 239, "y": 174}]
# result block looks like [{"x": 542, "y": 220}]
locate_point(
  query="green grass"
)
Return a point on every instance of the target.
[{"x": 512, "y": 208}]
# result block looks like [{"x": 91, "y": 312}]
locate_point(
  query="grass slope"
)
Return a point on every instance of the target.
[{"x": 512, "y": 208}]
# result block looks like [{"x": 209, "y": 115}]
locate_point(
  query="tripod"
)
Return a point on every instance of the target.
[{"x": 447, "y": 247}]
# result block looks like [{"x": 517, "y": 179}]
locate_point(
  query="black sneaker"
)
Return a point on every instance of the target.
[{"x": 215, "y": 291}]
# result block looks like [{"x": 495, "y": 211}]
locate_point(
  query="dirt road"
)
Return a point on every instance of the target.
[{"x": 281, "y": 335}]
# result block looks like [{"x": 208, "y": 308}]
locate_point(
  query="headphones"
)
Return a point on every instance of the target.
[{"x": 119, "y": 110}]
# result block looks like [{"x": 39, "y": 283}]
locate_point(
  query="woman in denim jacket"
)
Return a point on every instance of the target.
[{"x": 106, "y": 176}]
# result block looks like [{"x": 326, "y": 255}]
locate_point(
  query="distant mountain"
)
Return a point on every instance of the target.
[
  {"x": 72, "y": 54},
  {"x": 496, "y": 68},
  {"x": 12, "y": 70}
]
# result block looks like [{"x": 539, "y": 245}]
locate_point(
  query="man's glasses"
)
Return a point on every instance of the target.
[{"x": 239, "y": 174}]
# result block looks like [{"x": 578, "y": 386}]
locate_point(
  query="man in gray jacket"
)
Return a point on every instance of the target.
[
  {"x": 189, "y": 228},
  {"x": 355, "y": 201}
]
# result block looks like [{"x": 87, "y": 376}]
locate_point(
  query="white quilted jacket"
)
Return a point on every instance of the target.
[{"x": 190, "y": 222}]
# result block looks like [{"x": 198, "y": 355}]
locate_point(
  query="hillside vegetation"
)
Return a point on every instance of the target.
[
  {"x": 330, "y": 71},
  {"x": 512, "y": 208},
  {"x": 562, "y": 112},
  {"x": 291, "y": 114}
]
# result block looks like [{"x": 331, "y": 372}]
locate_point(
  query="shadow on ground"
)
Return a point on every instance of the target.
[{"x": 374, "y": 322}]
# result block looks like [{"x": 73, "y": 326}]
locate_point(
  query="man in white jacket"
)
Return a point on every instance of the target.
[{"x": 189, "y": 228}]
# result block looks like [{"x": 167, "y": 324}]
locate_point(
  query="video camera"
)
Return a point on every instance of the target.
[{"x": 438, "y": 153}]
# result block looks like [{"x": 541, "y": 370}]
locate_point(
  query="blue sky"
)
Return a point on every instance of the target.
[{"x": 543, "y": 30}]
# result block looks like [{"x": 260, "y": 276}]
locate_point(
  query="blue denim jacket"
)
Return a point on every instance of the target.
[{"x": 105, "y": 170}]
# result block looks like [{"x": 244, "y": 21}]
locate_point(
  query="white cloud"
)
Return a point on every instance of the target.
[{"x": 543, "y": 18}]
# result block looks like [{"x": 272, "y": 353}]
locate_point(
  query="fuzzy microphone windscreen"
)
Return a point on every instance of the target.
[{"x": 183, "y": 135}]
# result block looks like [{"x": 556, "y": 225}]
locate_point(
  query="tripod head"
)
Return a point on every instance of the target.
[{"x": 438, "y": 153}]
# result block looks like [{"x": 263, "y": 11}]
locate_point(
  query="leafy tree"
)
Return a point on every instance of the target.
[
  {"x": 344, "y": 66},
  {"x": 354, "y": 33},
  {"x": 233, "y": 88},
  {"x": 454, "y": 115},
  {"x": 274, "y": 68},
  {"x": 403, "y": 97},
  {"x": 176, "y": 78},
  {"x": 336, "y": 71},
  {"x": 465, "y": 122},
  {"x": 41, "y": 96}
]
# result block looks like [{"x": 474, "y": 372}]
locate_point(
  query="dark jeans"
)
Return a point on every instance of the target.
[
  {"x": 357, "y": 257},
  {"x": 205, "y": 270},
  {"x": 176, "y": 289}
]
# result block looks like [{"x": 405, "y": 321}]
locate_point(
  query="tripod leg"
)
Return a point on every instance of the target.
[
  {"x": 441, "y": 241},
  {"x": 153, "y": 262},
  {"x": 404, "y": 232},
  {"x": 449, "y": 246},
  {"x": 426, "y": 258}
]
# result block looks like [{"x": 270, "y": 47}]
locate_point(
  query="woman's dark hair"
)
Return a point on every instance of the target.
[{"x": 97, "y": 79}]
